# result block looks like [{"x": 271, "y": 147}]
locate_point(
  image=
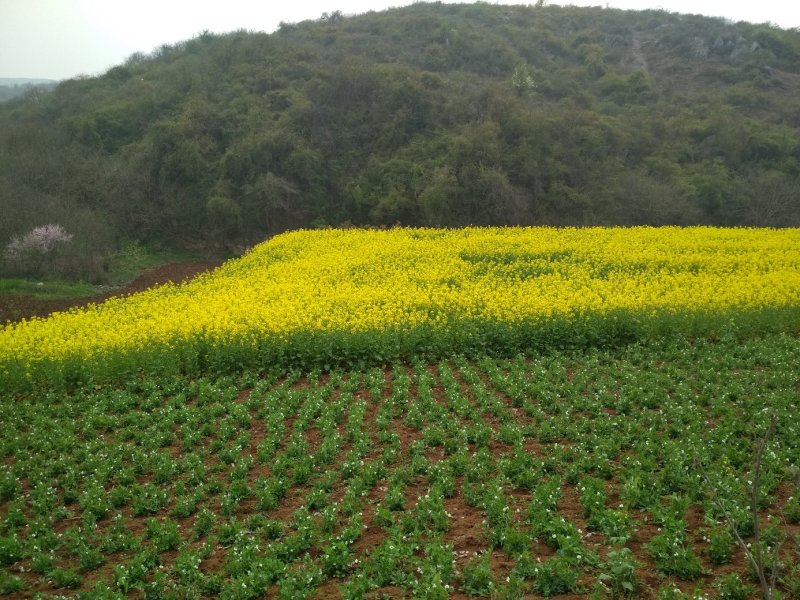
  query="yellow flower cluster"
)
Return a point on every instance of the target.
[{"x": 358, "y": 281}]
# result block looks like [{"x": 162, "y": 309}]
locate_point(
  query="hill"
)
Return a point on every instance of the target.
[{"x": 432, "y": 114}]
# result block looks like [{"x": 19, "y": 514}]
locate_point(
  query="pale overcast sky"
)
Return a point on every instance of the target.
[{"x": 59, "y": 39}]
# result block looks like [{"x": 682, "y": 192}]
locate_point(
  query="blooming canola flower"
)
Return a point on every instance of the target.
[{"x": 366, "y": 280}]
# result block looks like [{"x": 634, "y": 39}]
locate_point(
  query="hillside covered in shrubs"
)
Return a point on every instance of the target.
[{"x": 432, "y": 114}]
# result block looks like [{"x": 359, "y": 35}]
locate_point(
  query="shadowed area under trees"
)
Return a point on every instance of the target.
[{"x": 442, "y": 115}]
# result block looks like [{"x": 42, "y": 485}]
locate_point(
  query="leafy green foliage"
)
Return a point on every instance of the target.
[
  {"x": 555, "y": 576},
  {"x": 619, "y": 572},
  {"x": 720, "y": 545},
  {"x": 10, "y": 584},
  {"x": 477, "y": 576},
  {"x": 731, "y": 587},
  {"x": 673, "y": 556}
]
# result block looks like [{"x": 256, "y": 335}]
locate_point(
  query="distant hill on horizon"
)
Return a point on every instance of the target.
[
  {"x": 12, "y": 87},
  {"x": 431, "y": 114},
  {"x": 12, "y": 81}
]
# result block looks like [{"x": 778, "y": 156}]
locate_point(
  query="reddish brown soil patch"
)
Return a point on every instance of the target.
[
  {"x": 15, "y": 307},
  {"x": 466, "y": 528},
  {"x": 329, "y": 589},
  {"x": 371, "y": 537}
]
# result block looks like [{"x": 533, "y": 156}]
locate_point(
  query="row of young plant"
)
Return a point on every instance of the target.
[{"x": 579, "y": 472}]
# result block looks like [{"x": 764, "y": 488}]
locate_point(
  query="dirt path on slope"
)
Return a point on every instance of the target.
[{"x": 15, "y": 307}]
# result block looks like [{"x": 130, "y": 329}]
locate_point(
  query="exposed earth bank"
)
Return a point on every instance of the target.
[{"x": 15, "y": 307}]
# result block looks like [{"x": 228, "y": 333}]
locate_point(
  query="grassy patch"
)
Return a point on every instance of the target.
[
  {"x": 48, "y": 289},
  {"x": 133, "y": 258},
  {"x": 123, "y": 267}
]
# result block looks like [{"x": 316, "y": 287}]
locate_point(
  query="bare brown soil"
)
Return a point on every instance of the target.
[{"x": 15, "y": 307}]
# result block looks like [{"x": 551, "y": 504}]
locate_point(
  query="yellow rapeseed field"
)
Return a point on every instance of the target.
[{"x": 354, "y": 281}]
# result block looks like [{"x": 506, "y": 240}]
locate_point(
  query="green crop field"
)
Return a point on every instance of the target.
[{"x": 603, "y": 473}]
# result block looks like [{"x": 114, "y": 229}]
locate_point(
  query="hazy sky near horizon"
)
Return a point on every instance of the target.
[{"x": 59, "y": 39}]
